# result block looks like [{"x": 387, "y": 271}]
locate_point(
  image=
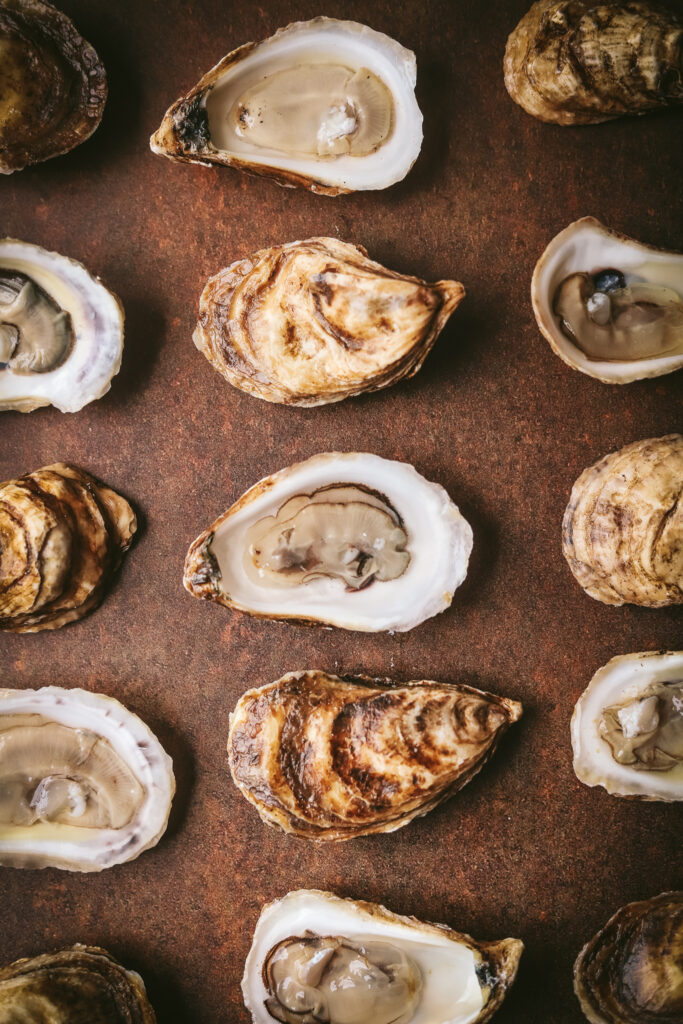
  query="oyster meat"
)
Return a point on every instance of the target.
[
  {"x": 62, "y": 537},
  {"x": 312, "y": 322},
  {"x": 576, "y": 62},
  {"x": 342, "y": 539},
  {"x": 622, "y": 533},
  {"x": 327, "y": 105},
  {"x": 316, "y": 957},
  {"x": 52, "y": 85}
]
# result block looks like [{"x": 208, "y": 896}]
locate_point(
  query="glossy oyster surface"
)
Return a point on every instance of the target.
[
  {"x": 316, "y": 957},
  {"x": 622, "y": 533},
  {"x": 342, "y": 539},
  {"x": 62, "y": 537},
  {"x": 327, "y": 105},
  {"x": 317, "y": 321},
  {"x": 52, "y": 85},
  {"x": 573, "y": 62},
  {"x": 631, "y": 971},
  {"x": 82, "y": 983},
  {"x": 608, "y": 305}
]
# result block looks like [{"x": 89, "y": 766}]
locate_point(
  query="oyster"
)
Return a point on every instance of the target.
[
  {"x": 574, "y": 62},
  {"x": 329, "y": 758},
  {"x": 622, "y": 533},
  {"x": 83, "y": 983},
  {"x": 324, "y": 104},
  {"x": 312, "y": 322},
  {"x": 52, "y": 85},
  {"x": 342, "y": 539},
  {"x": 316, "y": 957},
  {"x": 62, "y": 536},
  {"x": 61, "y": 331},
  {"x": 630, "y": 972}
]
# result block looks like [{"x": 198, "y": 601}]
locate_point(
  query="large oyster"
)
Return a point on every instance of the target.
[
  {"x": 622, "y": 533},
  {"x": 312, "y": 322},
  {"x": 631, "y": 972},
  {"x": 62, "y": 537},
  {"x": 324, "y": 104},
  {"x": 342, "y": 539},
  {"x": 52, "y": 84},
  {"x": 577, "y": 62},
  {"x": 610, "y": 307},
  {"x": 83, "y": 983},
  {"x": 61, "y": 331},
  {"x": 318, "y": 958}
]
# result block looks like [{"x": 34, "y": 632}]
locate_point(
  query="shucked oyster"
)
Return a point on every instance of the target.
[
  {"x": 324, "y": 104},
  {"x": 312, "y": 322},
  {"x": 329, "y": 758},
  {"x": 574, "y": 62},
  {"x": 318, "y": 958},
  {"x": 622, "y": 533},
  {"x": 342, "y": 539}
]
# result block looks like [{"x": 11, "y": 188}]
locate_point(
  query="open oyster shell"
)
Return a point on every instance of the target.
[
  {"x": 52, "y": 85},
  {"x": 574, "y": 62},
  {"x": 622, "y": 533},
  {"x": 329, "y": 759},
  {"x": 62, "y": 537},
  {"x": 342, "y": 539},
  {"x": 290, "y": 108},
  {"x": 312, "y": 322}
]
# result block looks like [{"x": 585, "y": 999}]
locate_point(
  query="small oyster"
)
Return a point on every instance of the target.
[
  {"x": 630, "y": 972},
  {"x": 312, "y": 322},
  {"x": 574, "y": 62},
  {"x": 622, "y": 533},
  {"x": 62, "y": 536},
  {"x": 52, "y": 85}
]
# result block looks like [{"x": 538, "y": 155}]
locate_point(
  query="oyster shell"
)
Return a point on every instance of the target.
[
  {"x": 328, "y": 758},
  {"x": 636, "y": 329},
  {"x": 61, "y": 331},
  {"x": 62, "y": 537},
  {"x": 312, "y": 322},
  {"x": 622, "y": 533},
  {"x": 630, "y": 972},
  {"x": 327, "y": 105},
  {"x": 342, "y": 539},
  {"x": 574, "y": 62},
  {"x": 52, "y": 85},
  {"x": 414, "y": 972}
]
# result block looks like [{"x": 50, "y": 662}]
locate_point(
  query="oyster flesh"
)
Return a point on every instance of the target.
[
  {"x": 62, "y": 537},
  {"x": 609, "y": 306},
  {"x": 83, "y": 983},
  {"x": 630, "y": 972},
  {"x": 61, "y": 331},
  {"x": 327, "y": 105},
  {"x": 622, "y": 533},
  {"x": 52, "y": 85},
  {"x": 576, "y": 62},
  {"x": 312, "y": 322},
  {"x": 342, "y": 539},
  {"x": 318, "y": 958}
]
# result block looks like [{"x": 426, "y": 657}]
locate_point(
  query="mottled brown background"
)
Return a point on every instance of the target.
[{"x": 494, "y": 416}]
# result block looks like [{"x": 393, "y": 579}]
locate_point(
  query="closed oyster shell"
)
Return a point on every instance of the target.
[{"x": 622, "y": 533}]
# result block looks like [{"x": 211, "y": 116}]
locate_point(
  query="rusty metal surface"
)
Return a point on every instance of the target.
[{"x": 494, "y": 416}]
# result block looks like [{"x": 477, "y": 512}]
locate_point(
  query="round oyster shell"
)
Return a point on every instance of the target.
[
  {"x": 436, "y": 537},
  {"x": 191, "y": 127},
  {"x": 622, "y": 533},
  {"x": 587, "y": 246},
  {"x": 79, "y": 757}
]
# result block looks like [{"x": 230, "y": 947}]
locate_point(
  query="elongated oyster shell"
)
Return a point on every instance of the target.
[
  {"x": 62, "y": 537},
  {"x": 622, "y": 533},
  {"x": 574, "y": 62}
]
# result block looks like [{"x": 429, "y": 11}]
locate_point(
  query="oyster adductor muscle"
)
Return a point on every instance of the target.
[{"x": 317, "y": 321}]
